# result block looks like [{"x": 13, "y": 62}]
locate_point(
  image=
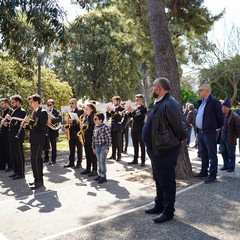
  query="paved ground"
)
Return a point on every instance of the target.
[{"x": 75, "y": 207}]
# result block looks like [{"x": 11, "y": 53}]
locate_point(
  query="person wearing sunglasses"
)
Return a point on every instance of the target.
[
  {"x": 74, "y": 141},
  {"x": 52, "y": 134}
]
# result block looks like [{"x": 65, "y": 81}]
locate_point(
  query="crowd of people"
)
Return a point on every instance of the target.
[{"x": 160, "y": 132}]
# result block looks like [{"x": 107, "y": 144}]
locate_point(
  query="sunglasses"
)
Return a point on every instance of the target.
[
  {"x": 49, "y": 105},
  {"x": 95, "y": 119},
  {"x": 71, "y": 103}
]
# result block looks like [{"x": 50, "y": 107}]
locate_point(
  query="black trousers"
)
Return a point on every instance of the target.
[
  {"x": 137, "y": 140},
  {"x": 125, "y": 139},
  {"x": 73, "y": 143},
  {"x": 116, "y": 143},
  {"x": 4, "y": 153},
  {"x": 17, "y": 157},
  {"x": 163, "y": 167},
  {"x": 90, "y": 156},
  {"x": 36, "y": 161},
  {"x": 53, "y": 143}
]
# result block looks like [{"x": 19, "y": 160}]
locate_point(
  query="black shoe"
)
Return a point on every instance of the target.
[
  {"x": 162, "y": 218},
  {"x": 33, "y": 183},
  {"x": 102, "y": 180},
  {"x": 13, "y": 175},
  {"x": 86, "y": 171},
  {"x": 36, "y": 185},
  {"x": 153, "y": 210},
  {"x": 124, "y": 152},
  {"x": 143, "y": 165},
  {"x": 68, "y": 166},
  {"x": 93, "y": 174},
  {"x": 210, "y": 179},
  {"x": 97, "y": 178},
  {"x": 230, "y": 170},
  {"x": 18, "y": 176},
  {"x": 45, "y": 160},
  {"x": 77, "y": 166},
  {"x": 201, "y": 175},
  {"x": 133, "y": 162},
  {"x": 2, "y": 168},
  {"x": 223, "y": 168},
  {"x": 118, "y": 159},
  {"x": 112, "y": 157}
]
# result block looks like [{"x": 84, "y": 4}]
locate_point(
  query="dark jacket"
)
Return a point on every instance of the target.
[
  {"x": 15, "y": 125},
  {"x": 167, "y": 125},
  {"x": 213, "y": 115},
  {"x": 116, "y": 117},
  {"x": 233, "y": 128},
  {"x": 57, "y": 119},
  {"x": 88, "y": 128},
  {"x": 138, "y": 116},
  {"x": 75, "y": 128},
  {"x": 191, "y": 117},
  {"x": 38, "y": 127}
]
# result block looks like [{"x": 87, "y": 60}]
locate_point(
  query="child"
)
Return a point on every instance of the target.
[{"x": 101, "y": 142}]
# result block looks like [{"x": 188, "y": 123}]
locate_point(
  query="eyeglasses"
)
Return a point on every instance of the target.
[
  {"x": 71, "y": 103},
  {"x": 200, "y": 90}
]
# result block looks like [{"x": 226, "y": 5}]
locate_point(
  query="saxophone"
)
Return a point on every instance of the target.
[
  {"x": 83, "y": 128},
  {"x": 67, "y": 126}
]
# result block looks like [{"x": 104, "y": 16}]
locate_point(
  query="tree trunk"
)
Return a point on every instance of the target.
[{"x": 166, "y": 66}]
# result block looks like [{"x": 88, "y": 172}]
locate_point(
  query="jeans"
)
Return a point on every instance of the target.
[
  {"x": 228, "y": 153},
  {"x": 101, "y": 157},
  {"x": 207, "y": 143},
  {"x": 163, "y": 167}
]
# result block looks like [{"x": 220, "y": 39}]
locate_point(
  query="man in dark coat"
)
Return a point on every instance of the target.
[
  {"x": 229, "y": 134},
  {"x": 163, "y": 133},
  {"x": 52, "y": 134},
  {"x": 209, "y": 120}
]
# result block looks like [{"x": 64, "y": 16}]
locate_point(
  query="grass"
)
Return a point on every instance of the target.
[{"x": 62, "y": 144}]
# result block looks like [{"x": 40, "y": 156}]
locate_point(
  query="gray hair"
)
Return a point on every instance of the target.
[{"x": 164, "y": 83}]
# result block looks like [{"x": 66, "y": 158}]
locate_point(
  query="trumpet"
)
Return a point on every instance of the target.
[{"x": 53, "y": 126}]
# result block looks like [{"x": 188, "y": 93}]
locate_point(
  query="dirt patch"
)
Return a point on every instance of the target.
[{"x": 145, "y": 177}]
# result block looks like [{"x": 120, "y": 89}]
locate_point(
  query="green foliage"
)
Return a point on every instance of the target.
[
  {"x": 189, "y": 96},
  {"x": 16, "y": 79},
  {"x": 27, "y": 25},
  {"x": 224, "y": 78},
  {"x": 100, "y": 60}
]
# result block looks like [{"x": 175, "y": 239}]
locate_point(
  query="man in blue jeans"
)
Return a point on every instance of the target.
[
  {"x": 209, "y": 120},
  {"x": 163, "y": 133}
]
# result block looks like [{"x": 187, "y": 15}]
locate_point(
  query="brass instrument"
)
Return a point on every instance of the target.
[
  {"x": 67, "y": 126},
  {"x": 83, "y": 128},
  {"x": 55, "y": 126}
]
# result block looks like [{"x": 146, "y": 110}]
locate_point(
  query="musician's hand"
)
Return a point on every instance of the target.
[
  {"x": 49, "y": 122},
  {"x": 8, "y": 117},
  {"x": 70, "y": 121},
  {"x": 129, "y": 109},
  {"x": 109, "y": 109},
  {"x": 5, "y": 124},
  {"x": 94, "y": 151},
  {"x": 26, "y": 120}
]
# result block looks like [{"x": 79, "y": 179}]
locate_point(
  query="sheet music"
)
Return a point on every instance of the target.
[{"x": 73, "y": 116}]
